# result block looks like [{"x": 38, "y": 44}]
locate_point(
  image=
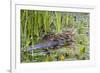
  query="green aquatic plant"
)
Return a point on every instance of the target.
[
  {"x": 46, "y": 19},
  {"x": 58, "y": 22}
]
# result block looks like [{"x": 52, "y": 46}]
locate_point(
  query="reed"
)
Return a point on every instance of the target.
[{"x": 58, "y": 22}]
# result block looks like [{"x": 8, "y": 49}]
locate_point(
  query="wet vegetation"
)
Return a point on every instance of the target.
[{"x": 53, "y": 36}]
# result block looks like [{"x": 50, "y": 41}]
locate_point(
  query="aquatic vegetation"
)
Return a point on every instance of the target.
[
  {"x": 62, "y": 57},
  {"x": 54, "y": 36}
]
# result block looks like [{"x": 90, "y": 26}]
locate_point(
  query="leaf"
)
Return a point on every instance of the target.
[
  {"x": 62, "y": 57},
  {"x": 82, "y": 50}
]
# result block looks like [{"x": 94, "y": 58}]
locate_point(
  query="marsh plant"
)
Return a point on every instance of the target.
[{"x": 53, "y": 36}]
